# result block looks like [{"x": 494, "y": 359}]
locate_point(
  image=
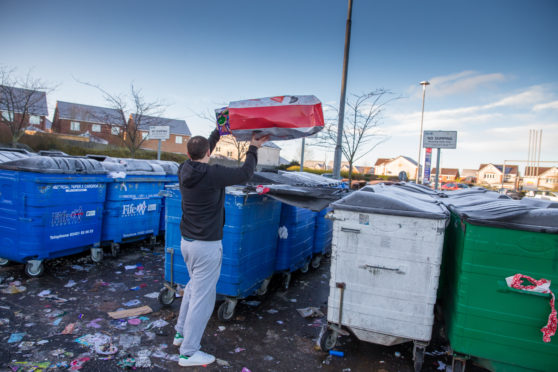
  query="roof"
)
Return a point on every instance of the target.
[
  {"x": 282, "y": 161},
  {"x": 381, "y": 161},
  {"x": 469, "y": 172},
  {"x": 176, "y": 126},
  {"x": 364, "y": 169},
  {"x": 34, "y": 100},
  {"x": 536, "y": 171},
  {"x": 510, "y": 169},
  {"x": 447, "y": 171},
  {"x": 271, "y": 145},
  {"x": 409, "y": 159},
  {"x": 91, "y": 114}
]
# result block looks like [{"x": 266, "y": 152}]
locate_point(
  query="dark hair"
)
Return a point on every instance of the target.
[{"x": 197, "y": 147}]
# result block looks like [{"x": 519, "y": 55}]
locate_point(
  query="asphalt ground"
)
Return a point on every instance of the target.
[{"x": 60, "y": 321}]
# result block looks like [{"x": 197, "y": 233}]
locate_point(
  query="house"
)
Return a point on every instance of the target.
[
  {"x": 379, "y": 166},
  {"x": 469, "y": 175},
  {"x": 392, "y": 167},
  {"x": 315, "y": 164},
  {"x": 540, "y": 178},
  {"x": 446, "y": 175},
  {"x": 492, "y": 174},
  {"x": 18, "y": 102},
  {"x": 365, "y": 169},
  {"x": 344, "y": 166},
  {"x": 229, "y": 147},
  {"x": 86, "y": 121},
  {"x": 179, "y": 133}
]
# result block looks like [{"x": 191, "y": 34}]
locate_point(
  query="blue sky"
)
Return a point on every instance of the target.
[{"x": 492, "y": 64}]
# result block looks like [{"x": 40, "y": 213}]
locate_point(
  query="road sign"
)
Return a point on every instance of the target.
[
  {"x": 160, "y": 132},
  {"x": 440, "y": 139}
]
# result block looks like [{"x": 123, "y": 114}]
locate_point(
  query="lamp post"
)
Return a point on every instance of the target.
[{"x": 424, "y": 84}]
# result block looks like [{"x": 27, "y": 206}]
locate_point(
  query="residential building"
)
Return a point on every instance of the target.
[
  {"x": 540, "y": 178},
  {"x": 102, "y": 124},
  {"x": 15, "y": 102},
  {"x": 469, "y": 175},
  {"x": 179, "y": 133},
  {"x": 344, "y": 166},
  {"x": 269, "y": 154},
  {"x": 365, "y": 169},
  {"x": 392, "y": 167},
  {"x": 315, "y": 164},
  {"x": 492, "y": 174},
  {"x": 228, "y": 147},
  {"x": 446, "y": 174}
]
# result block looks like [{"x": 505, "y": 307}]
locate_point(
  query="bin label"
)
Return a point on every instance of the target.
[
  {"x": 65, "y": 217},
  {"x": 152, "y": 207},
  {"x": 133, "y": 209},
  {"x": 90, "y": 213},
  {"x": 77, "y": 187},
  {"x": 71, "y": 235}
]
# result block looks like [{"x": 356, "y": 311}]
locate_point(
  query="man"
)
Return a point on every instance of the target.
[{"x": 203, "y": 215}]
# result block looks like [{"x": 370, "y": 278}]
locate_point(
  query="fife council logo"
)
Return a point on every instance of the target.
[{"x": 134, "y": 209}]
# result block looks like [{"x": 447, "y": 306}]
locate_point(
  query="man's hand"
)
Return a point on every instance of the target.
[{"x": 258, "y": 142}]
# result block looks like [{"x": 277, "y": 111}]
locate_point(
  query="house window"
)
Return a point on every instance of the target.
[
  {"x": 8, "y": 115},
  {"x": 229, "y": 154},
  {"x": 115, "y": 131},
  {"x": 178, "y": 139},
  {"x": 74, "y": 125},
  {"x": 96, "y": 128},
  {"x": 34, "y": 120},
  {"x": 143, "y": 135},
  {"x": 218, "y": 149}
]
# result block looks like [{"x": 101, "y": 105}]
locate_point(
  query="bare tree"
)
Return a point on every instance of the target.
[
  {"x": 143, "y": 113},
  {"x": 241, "y": 147},
  {"x": 361, "y": 132},
  {"x": 21, "y": 98}
]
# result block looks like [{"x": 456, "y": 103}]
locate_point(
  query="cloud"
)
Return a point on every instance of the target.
[
  {"x": 459, "y": 83},
  {"x": 546, "y": 106}
]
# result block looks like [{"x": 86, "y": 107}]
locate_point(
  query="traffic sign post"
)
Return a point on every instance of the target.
[
  {"x": 439, "y": 139},
  {"x": 161, "y": 133}
]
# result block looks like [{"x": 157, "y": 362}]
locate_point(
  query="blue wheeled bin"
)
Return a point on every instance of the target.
[
  {"x": 50, "y": 207},
  {"x": 249, "y": 247},
  {"x": 295, "y": 241},
  {"x": 171, "y": 177},
  {"x": 133, "y": 202},
  {"x": 323, "y": 235}
]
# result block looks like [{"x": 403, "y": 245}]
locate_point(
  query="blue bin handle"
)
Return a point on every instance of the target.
[
  {"x": 24, "y": 210},
  {"x": 503, "y": 288}
]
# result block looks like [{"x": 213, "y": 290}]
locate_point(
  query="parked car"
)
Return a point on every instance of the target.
[{"x": 449, "y": 186}]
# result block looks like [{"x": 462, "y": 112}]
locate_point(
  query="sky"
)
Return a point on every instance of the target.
[{"x": 492, "y": 65}]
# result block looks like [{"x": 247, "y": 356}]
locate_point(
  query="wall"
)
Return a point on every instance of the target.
[{"x": 169, "y": 145}]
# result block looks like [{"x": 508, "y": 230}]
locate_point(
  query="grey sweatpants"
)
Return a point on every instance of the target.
[{"x": 203, "y": 260}]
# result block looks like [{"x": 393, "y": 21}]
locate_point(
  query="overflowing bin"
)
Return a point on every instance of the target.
[
  {"x": 497, "y": 325},
  {"x": 133, "y": 201},
  {"x": 249, "y": 247},
  {"x": 295, "y": 241},
  {"x": 387, "y": 250},
  {"x": 50, "y": 207}
]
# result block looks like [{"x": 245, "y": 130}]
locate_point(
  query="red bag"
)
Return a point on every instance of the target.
[{"x": 282, "y": 117}]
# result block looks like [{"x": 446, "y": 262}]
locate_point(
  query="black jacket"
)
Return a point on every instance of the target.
[{"x": 203, "y": 193}]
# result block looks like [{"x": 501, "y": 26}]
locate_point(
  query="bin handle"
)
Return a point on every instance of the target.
[
  {"x": 376, "y": 267},
  {"x": 503, "y": 288},
  {"x": 24, "y": 218},
  {"x": 347, "y": 229}
]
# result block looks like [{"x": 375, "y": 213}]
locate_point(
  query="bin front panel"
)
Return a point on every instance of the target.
[
  {"x": 130, "y": 219},
  {"x": 484, "y": 318},
  {"x": 46, "y": 216},
  {"x": 296, "y": 238},
  {"x": 249, "y": 243},
  {"x": 134, "y": 188},
  {"x": 323, "y": 233},
  {"x": 174, "y": 262},
  {"x": 390, "y": 265}
]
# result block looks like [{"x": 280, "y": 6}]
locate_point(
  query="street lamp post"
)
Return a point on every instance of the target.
[{"x": 424, "y": 84}]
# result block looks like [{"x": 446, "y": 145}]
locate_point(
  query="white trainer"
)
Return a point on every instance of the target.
[{"x": 199, "y": 358}]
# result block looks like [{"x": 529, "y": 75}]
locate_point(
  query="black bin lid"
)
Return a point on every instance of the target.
[
  {"x": 129, "y": 166},
  {"x": 55, "y": 165},
  {"x": 170, "y": 167},
  {"x": 392, "y": 203},
  {"x": 8, "y": 155}
]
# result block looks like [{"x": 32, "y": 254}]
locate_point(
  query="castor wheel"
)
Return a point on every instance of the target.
[
  {"x": 97, "y": 254},
  {"x": 226, "y": 310},
  {"x": 114, "y": 249},
  {"x": 34, "y": 268},
  {"x": 166, "y": 296},
  {"x": 305, "y": 267},
  {"x": 327, "y": 340}
]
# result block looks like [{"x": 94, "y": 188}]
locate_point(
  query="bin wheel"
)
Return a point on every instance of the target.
[
  {"x": 327, "y": 340},
  {"x": 33, "y": 270},
  {"x": 286, "y": 281},
  {"x": 263, "y": 288},
  {"x": 226, "y": 311},
  {"x": 316, "y": 262},
  {"x": 96, "y": 254},
  {"x": 418, "y": 357},
  {"x": 4, "y": 261},
  {"x": 458, "y": 365},
  {"x": 304, "y": 269},
  {"x": 166, "y": 296},
  {"x": 114, "y": 249}
]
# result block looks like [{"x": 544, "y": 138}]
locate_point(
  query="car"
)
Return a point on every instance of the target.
[
  {"x": 449, "y": 186},
  {"x": 463, "y": 186}
]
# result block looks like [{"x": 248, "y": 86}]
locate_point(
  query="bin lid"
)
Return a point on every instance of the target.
[
  {"x": 55, "y": 165},
  {"x": 398, "y": 189},
  {"x": 510, "y": 214},
  {"x": 539, "y": 203},
  {"x": 129, "y": 166},
  {"x": 476, "y": 198},
  {"x": 8, "y": 155},
  {"x": 392, "y": 203},
  {"x": 170, "y": 167},
  {"x": 293, "y": 179}
]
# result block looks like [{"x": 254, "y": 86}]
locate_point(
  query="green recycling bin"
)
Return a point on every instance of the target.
[{"x": 497, "y": 326}]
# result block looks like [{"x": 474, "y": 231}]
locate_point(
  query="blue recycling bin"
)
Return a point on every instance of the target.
[
  {"x": 323, "y": 235},
  {"x": 50, "y": 207},
  {"x": 133, "y": 202},
  {"x": 171, "y": 177},
  {"x": 249, "y": 246},
  {"x": 295, "y": 240}
]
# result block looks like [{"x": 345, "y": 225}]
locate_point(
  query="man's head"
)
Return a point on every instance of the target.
[{"x": 197, "y": 147}]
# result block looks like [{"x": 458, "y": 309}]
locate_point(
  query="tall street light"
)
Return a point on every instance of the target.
[{"x": 424, "y": 84}]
